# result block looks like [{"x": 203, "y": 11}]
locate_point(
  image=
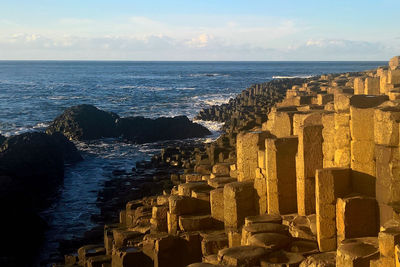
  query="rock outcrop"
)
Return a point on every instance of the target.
[
  {"x": 145, "y": 130},
  {"x": 85, "y": 122}
]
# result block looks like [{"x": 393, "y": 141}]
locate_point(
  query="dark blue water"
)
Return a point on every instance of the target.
[{"x": 32, "y": 93}]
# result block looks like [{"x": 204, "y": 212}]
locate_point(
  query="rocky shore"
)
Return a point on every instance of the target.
[{"x": 305, "y": 173}]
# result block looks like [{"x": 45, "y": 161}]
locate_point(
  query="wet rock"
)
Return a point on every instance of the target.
[
  {"x": 145, "y": 130},
  {"x": 2, "y": 139},
  {"x": 84, "y": 122}
]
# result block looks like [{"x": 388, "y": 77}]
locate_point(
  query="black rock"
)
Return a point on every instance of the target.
[
  {"x": 145, "y": 130},
  {"x": 31, "y": 168},
  {"x": 2, "y": 139},
  {"x": 84, "y": 122}
]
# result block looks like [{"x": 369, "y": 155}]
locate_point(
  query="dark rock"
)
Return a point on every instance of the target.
[
  {"x": 84, "y": 122},
  {"x": 31, "y": 168},
  {"x": 2, "y": 139},
  {"x": 145, "y": 130}
]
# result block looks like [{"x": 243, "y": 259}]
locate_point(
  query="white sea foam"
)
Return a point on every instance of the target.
[
  {"x": 213, "y": 126},
  {"x": 292, "y": 77}
]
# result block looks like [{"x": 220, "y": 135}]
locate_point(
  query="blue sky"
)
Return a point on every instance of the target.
[{"x": 200, "y": 30}]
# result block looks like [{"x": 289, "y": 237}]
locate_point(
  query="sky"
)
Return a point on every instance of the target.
[{"x": 231, "y": 30}]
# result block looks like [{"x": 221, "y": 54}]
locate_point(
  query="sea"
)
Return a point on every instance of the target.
[{"x": 33, "y": 93}]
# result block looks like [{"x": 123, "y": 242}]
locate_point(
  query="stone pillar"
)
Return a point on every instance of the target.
[
  {"x": 331, "y": 183},
  {"x": 387, "y": 157},
  {"x": 356, "y": 217},
  {"x": 362, "y": 144},
  {"x": 328, "y": 135},
  {"x": 359, "y": 86},
  {"x": 342, "y": 130},
  {"x": 281, "y": 174},
  {"x": 309, "y": 158},
  {"x": 372, "y": 86},
  {"x": 248, "y": 144},
  {"x": 238, "y": 203}
]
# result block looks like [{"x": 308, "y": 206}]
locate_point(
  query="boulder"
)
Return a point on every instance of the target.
[
  {"x": 84, "y": 122},
  {"x": 145, "y": 130}
]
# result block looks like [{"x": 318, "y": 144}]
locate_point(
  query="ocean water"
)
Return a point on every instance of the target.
[{"x": 33, "y": 93}]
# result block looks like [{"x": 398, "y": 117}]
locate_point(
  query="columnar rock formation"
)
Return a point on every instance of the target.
[{"x": 316, "y": 182}]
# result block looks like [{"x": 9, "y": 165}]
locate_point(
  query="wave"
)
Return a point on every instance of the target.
[
  {"x": 142, "y": 87},
  {"x": 208, "y": 75},
  {"x": 292, "y": 77},
  {"x": 213, "y": 126}
]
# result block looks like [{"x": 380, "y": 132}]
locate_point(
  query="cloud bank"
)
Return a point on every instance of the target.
[{"x": 142, "y": 38}]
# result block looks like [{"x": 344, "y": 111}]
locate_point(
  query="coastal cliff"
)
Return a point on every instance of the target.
[{"x": 305, "y": 174}]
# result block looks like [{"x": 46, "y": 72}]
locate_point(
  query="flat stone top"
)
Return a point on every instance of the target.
[
  {"x": 264, "y": 218},
  {"x": 358, "y": 247},
  {"x": 367, "y": 101},
  {"x": 242, "y": 252},
  {"x": 271, "y": 241},
  {"x": 266, "y": 228}
]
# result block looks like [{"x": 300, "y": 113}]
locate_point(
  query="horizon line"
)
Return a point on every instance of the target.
[{"x": 126, "y": 60}]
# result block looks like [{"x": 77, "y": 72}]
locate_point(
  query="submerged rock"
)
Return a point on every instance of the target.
[
  {"x": 84, "y": 122},
  {"x": 145, "y": 130}
]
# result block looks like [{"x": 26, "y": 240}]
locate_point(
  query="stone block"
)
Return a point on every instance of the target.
[
  {"x": 244, "y": 256},
  {"x": 330, "y": 184},
  {"x": 192, "y": 177},
  {"x": 124, "y": 237},
  {"x": 183, "y": 205},
  {"x": 362, "y": 152},
  {"x": 213, "y": 242},
  {"x": 322, "y": 99},
  {"x": 342, "y": 157},
  {"x": 247, "y": 146},
  {"x": 221, "y": 169},
  {"x": 342, "y": 137},
  {"x": 388, "y": 239},
  {"x": 85, "y": 252},
  {"x": 362, "y": 124},
  {"x": 159, "y": 219},
  {"x": 187, "y": 188},
  {"x": 326, "y": 259},
  {"x": 309, "y": 158},
  {"x": 130, "y": 256},
  {"x": 270, "y": 241},
  {"x": 220, "y": 182},
  {"x": 357, "y": 252},
  {"x": 257, "y": 228},
  {"x": 217, "y": 204},
  {"x": 394, "y": 76},
  {"x": 99, "y": 261},
  {"x": 386, "y": 126},
  {"x": 172, "y": 221},
  {"x": 394, "y": 63},
  {"x": 372, "y": 86},
  {"x": 238, "y": 203},
  {"x": 342, "y": 102},
  {"x": 308, "y": 118},
  {"x": 359, "y": 85},
  {"x": 280, "y": 123},
  {"x": 263, "y": 218},
  {"x": 356, "y": 217},
  {"x": 281, "y": 175},
  {"x": 234, "y": 238},
  {"x": 260, "y": 186},
  {"x": 189, "y": 223}
]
